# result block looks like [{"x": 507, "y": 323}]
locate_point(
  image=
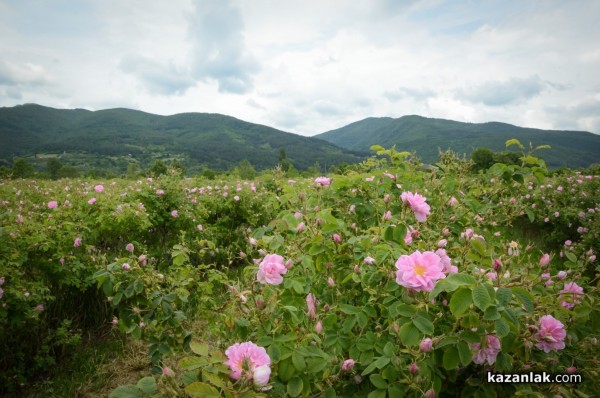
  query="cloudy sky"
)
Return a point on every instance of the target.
[{"x": 308, "y": 66}]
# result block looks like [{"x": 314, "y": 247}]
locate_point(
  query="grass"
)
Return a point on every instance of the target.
[{"x": 99, "y": 365}]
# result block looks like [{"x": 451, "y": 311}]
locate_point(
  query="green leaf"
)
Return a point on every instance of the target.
[
  {"x": 410, "y": 334},
  {"x": 274, "y": 352},
  {"x": 481, "y": 297},
  {"x": 388, "y": 234},
  {"x": 199, "y": 389},
  {"x": 400, "y": 233},
  {"x": 502, "y": 328},
  {"x": 451, "y": 358},
  {"x": 491, "y": 313},
  {"x": 503, "y": 362},
  {"x": 126, "y": 391},
  {"x": 376, "y": 148},
  {"x": 400, "y": 308},
  {"x": 524, "y": 297},
  {"x": 377, "y": 394},
  {"x": 199, "y": 348},
  {"x": 530, "y": 215},
  {"x": 516, "y": 142},
  {"x": 423, "y": 324},
  {"x": 298, "y": 361},
  {"x": 479, "y": 246},
  {"x": 295, "y": 386},
  {"x": 378, "y": 381},
  {"x": 461, "y": 280},
  {"x": 381, "y": 362},
  {"x": 348, "y": 324},
  {"x": 503, "y": 295},
  {"x": 571, "y": 257},
  {"x": 138, "y": 286},
  {"x": 191, "y": 363},
  {"x": 460, "y": 301},
  {"x": 315, "y": 365},
  {"x": 349, "y": 309},
  {"x": 464, "y": 352},
  {"x": 117, "y": 298},
  {"x": 147, "y": 385}
]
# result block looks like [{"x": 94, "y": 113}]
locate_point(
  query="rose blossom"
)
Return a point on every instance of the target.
[
  {"x": 369, "y": 260},
  {"x": 426, "y": 345},
  {"x": 551, "y": 334},
  {"x": 544, "y": 260},
  {"x": 347, "y": 365},
  {"x": 319, "y": 327},
  {"x": 487, "y": 354},
  {"x": 77, "y": 242},
  {"x": 52, "y": 204},
  {"x": 311, "y": 309},
  {"x": 270, "y": 269},
  {"x": 249, "y": 361},
  {"x": 417, "y": 204},
  {"x": 129, "y": 247},
  {"x": 323, "y": 181},
  {"x": 419, "y": 271},
  {"x": 99, "y": 188},
  {"x": 446, "y": 262},
  {"x": 572, "y": 294}
]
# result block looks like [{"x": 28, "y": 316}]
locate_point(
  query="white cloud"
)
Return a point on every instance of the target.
[
  {"x": 307, "y": 66},
  {"x": 498, "y": 93}
]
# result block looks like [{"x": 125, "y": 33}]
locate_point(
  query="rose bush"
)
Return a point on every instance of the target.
[{"x": 389, "y": 280}]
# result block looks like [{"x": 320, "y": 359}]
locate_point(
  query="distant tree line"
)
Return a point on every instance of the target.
[{"x": 484, "y": 158}]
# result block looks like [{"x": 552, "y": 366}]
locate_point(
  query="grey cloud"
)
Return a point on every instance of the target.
[
  {"x": 498, "y": 93},
  {"x": 255, "y": 104},
  {"x": 219, "y": 51},
  {"x": 419, "y": 94},
  {"x": 27, "y": 73},
  {"x": 583, "y": 116},
  {"x": 157, "y": 77},
  {"x": 326, "y": 108}
]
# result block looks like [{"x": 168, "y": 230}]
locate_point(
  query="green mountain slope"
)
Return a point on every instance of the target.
[
  {"x": 116, "y": 137},
  {"x": 425, "y": 135}
]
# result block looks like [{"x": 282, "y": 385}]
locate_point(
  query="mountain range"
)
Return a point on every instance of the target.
[
  {"x": 427, "y": 135},
  {"x": 114, "y": 138}
]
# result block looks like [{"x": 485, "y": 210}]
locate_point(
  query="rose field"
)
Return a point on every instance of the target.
[{"x": 392, "y": 279}]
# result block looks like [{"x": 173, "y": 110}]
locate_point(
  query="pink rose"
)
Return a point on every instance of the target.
[
  {"x": 348, "y": 364},
  {"x": 270, "y": 269},
  {"x": 571, "y": 294},
  {"x": 487, "y": 354},
  {"x": 99, "y": 188},
  {"x": 426, "y": 345},
  {"x": 551, "y": 334},
  {"x": 417, "y": 204},
  {"x": 323, "y": 181},
  {"x": 250, "y": 362},
  {"x": 419, "y": 271},
  {"x": 311, "y": 309},
  {"x": 52, "y": 204}
]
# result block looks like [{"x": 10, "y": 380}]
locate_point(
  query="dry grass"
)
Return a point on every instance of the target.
[{"x": 96, "y": 368}]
